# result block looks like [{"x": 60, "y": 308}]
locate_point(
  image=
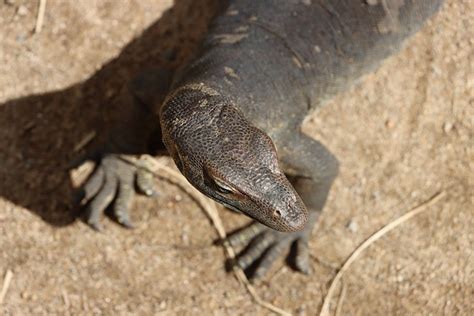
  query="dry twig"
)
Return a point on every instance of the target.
[
  {"x": 65, "y": 299},
  {"x": 384, "y": 230},
  {"x": 6, "y": 284},
  {"x": 342, "y": 296},
  {"x": 40, "y": 16}
]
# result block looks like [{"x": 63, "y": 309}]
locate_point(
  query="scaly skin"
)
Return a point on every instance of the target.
[
  {"x": 208, "y": 139},
  {"x": 231, "y": 120}
]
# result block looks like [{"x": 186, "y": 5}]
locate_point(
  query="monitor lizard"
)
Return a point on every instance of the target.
[{"x": 231, "y": 119}]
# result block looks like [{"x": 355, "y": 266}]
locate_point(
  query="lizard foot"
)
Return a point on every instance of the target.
[
  {"x": 264, "y": 245},
  {"x": 114, "y": 181}
]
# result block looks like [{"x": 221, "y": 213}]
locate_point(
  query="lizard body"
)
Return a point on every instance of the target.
[{"x": 231, "y": 120}]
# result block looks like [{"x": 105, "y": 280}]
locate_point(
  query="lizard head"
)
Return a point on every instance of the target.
[{"x": 229, "y": 160}]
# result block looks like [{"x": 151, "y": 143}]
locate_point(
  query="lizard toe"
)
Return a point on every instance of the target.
[
  {"x": 254, "y": 251},
  {"x": 244, "y": 235},
  {"x": 269, "y": 257},
  {"x": 91, "y": 187},
  {"x": 123, "y": 202},
  {"x": 144, "y": 183},
  {"x": 96, "y": 206},
  {"x": 302, "y": 262}
]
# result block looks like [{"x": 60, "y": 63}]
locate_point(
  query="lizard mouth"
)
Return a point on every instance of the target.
[
  {"x": 290, "y": 219},
  {"x": 279, "y": 208},
  {"x": 280, "y": 215}
]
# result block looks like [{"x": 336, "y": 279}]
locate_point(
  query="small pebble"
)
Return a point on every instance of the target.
[
  {"x": 352, "y": 226},
  {"x": 389, "y": 123},
  {"x": 22, "y": 10},
  {"x": 185, "y": 238},
  {"x": 447, "y": 127}
]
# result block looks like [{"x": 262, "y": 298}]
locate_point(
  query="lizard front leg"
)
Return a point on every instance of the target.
[
  {"x": 115, "y": 180},
  {"x": 312, "y": 170}
]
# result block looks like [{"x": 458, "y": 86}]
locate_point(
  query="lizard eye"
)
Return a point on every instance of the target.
[
  {"x": 222, "y": 187},
  {"x": 217, "y": 184}
]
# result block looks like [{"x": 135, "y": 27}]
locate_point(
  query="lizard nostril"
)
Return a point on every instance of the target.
[{"x": 277, "y": 213}]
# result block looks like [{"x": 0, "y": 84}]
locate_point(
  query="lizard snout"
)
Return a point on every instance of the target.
[
  {"x": 285, "y": 210},
  {"x": 295, "y": 216},
  {"x": 298, "y": 217}
]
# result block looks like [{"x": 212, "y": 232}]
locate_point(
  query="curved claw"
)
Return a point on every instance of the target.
[
  {"x": 112, "y": 183},
  {"x": 265, "y": 245}
]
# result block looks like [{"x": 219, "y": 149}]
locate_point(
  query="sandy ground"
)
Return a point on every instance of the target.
[{"x": 402, "y": 134}]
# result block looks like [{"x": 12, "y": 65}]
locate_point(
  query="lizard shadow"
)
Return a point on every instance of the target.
[{"x": 42, "y": 134}]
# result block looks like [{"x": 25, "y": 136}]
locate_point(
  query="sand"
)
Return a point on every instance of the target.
[{"x": 402, "y": 134}]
